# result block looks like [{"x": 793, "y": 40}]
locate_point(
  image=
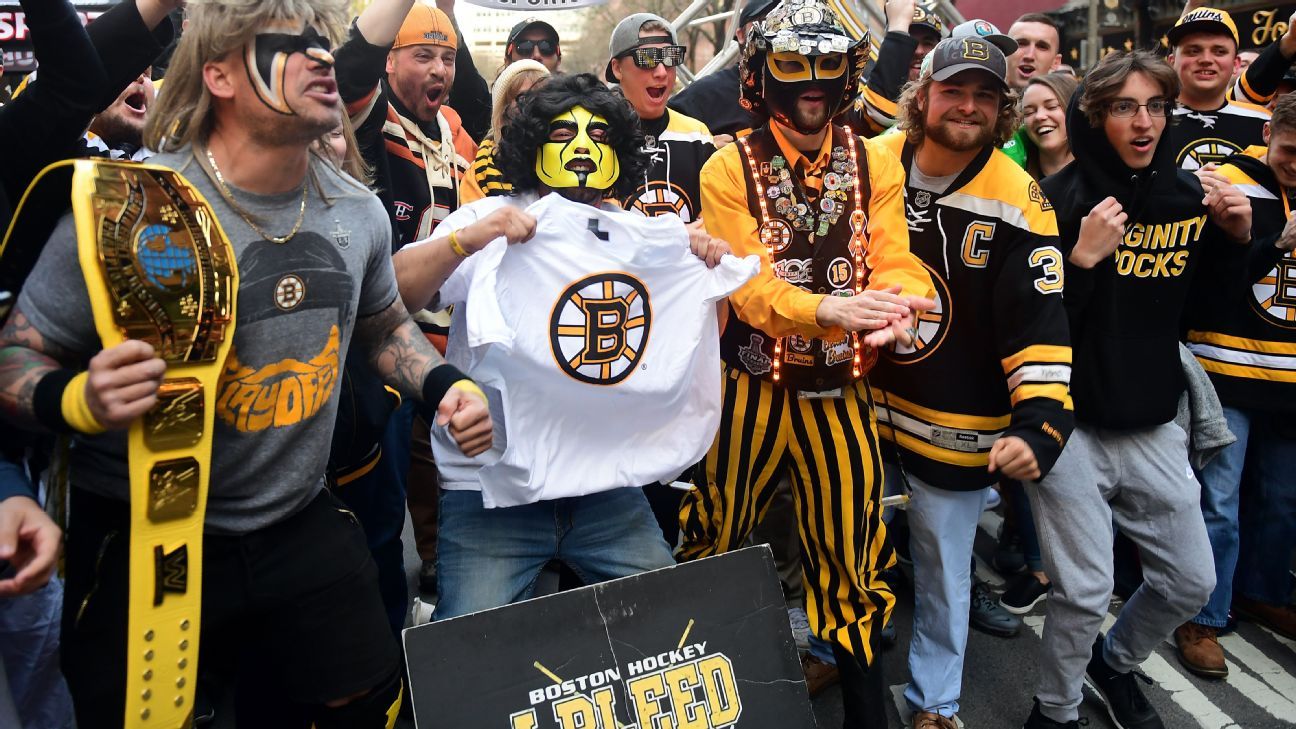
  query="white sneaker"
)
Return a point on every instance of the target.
[{"x": 800, "y": 628}]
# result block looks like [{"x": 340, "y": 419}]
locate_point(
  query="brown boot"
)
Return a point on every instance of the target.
[
  {"x": 1199, "y": 650},
  {"x": 928, "y": 720},
  {"x": 1281, "y": 619},
  {"x": 818, "y": 675}
]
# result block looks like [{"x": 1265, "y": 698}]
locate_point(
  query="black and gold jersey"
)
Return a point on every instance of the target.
[
  {"x": 993, "y": 359},
  {"x": 1242, "y": 324},
  {"x": 678, "y": 146},
  {"x": 1202, "y": 137}
]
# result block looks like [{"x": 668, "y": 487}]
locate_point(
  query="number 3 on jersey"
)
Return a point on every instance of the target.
[{"x": 1050, "y": 259}]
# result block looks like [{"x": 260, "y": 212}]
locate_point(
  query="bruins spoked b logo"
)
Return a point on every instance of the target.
[{"x": 599, "y": 327}]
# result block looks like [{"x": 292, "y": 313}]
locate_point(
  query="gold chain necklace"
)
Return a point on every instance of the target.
[{"x": 229, "y": 197}]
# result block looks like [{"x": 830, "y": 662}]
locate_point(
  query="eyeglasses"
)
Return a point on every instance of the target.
[
  {"x": 648, "y": 58},
  {"x": 547, "y": 47},
  {"x": 1129, "y": 107}
]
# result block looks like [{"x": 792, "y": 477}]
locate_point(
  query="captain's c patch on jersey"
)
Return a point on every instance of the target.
[{"x": 600, "y": 326}]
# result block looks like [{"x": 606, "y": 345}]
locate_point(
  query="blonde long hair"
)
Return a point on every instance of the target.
[{"x": 215, "y": 28}]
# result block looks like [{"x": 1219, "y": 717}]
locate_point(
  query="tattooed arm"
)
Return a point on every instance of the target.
[
  {"x": 25, "y": 357},
  {"x": 404, "y": 359},
  {"x": 120, "y": 385}
]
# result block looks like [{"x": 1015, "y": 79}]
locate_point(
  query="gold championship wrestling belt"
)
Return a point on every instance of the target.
[{"x": 159, "y": 268}]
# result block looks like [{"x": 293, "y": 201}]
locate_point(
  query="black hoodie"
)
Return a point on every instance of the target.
[{"x": 1125, "y": 312}]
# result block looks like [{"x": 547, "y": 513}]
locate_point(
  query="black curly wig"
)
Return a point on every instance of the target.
[{"x": 526, "y": 127}]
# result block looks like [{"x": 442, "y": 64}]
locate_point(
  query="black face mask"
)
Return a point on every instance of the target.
[
  {"x": 268, "y": 53},
  {"x": 781, "y": 99}
]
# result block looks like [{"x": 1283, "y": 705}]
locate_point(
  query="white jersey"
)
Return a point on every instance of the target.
[{"x": 596, "y": 342}]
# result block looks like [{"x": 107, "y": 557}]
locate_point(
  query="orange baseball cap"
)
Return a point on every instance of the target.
[{"x": 426, "y": 26}]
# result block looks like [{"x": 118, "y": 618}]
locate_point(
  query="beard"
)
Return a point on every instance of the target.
[
  {"x": 587, "y": 195},
  {"x": 277, "y": 130},
  {"x": 116, "y": 129},
  {"x": 784, "y": 102},
  {"x": 957, "y": 139}
]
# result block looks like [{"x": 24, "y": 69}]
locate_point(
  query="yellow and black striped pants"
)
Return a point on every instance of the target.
[{"x": 829, "y": 448}]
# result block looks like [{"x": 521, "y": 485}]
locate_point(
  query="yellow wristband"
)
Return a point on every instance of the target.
[
  {"x": 470, "y": 386},
  {"x": 76, "y": 410},
  {"x": 454, "y": 245}
]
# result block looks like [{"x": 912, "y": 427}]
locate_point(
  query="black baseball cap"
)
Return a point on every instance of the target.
[
  {"x": 955, "y": 55},
  {"x": 528, "y": 24}
]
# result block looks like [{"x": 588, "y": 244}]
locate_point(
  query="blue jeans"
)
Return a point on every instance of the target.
[
  {"x": 32, "y": 690},
  {"x": 1268, "y": 459},
  {"x": 942, "y": 527},
  {"x": 1020, "y": 504},
  {"x": 1267, "y": 522},
  {"x": 491, "y": 557}
]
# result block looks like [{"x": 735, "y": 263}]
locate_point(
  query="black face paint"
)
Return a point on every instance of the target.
[
  {"x": 781, "y": 98},
  {"x": 268, "y": 53}
]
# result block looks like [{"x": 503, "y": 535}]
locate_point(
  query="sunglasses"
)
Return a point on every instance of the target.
[
  {"x": 547, "y": 47},
  {"x": 648, "y": 58}
]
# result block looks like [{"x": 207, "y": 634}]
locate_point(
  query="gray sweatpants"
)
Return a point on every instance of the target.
[{"x": 1142, "y": 480}]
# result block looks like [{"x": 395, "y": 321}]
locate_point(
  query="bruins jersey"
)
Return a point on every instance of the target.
[
  {"x": 677, "y": 146},
  {"x": 418, "y": 167},
  {"x": 1202, "y": 137},
  {"x": 1242, "y": 326},
  {"x": 993, "y": 358},
  {"x": 875, "y": 109}
]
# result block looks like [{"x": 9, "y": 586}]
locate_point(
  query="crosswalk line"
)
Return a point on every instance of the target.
[
  {"x": 1258, "y": 693},
  {"x": 1265, "y": 668},
  {"x": 1291, "y": 644},
  {"x": 1169, "y": 679},
  {"x": 990, "y": 523}
]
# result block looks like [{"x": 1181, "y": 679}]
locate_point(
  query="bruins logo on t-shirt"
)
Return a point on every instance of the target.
[{"x": 599, "y": 327}]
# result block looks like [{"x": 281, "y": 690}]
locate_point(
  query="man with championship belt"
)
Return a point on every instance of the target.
[
  {"x": 823, "y": 209},
  {"x": 204, "y": 304}
]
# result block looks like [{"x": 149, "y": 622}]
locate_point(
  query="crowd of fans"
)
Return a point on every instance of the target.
[{"x": 1101, "y": 342}]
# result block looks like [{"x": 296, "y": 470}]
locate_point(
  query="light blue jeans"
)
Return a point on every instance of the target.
[
  {"x": 942, "y": 528},
  {"x": 491, "y": 557}
]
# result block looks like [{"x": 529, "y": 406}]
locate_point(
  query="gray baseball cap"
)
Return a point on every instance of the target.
[
  {"x": 985, "y": 29},
  {"x": 955, "y": 55},
  {"x": 625, "y": 38}
]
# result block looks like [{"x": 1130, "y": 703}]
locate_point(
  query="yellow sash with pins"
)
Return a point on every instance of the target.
[{"x": 159, "y": 269}]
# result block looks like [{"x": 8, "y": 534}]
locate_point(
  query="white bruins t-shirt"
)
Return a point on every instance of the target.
[{"x": 596, "y": 342}]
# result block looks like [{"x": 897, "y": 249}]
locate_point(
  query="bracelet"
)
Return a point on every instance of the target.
[
  {"x": 468, "y": 385},
  {"x": 76, "y": 409},
  {"x": 59, "y": 403},
  {"x": 455, "y": 245}
]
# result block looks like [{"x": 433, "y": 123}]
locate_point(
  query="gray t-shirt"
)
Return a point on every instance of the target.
[{"x": 297, "y": 306}]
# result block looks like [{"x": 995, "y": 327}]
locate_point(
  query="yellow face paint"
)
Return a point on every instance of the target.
[
  {"x": 577, "y": 153},
  {"x": 790, "y": 66}
]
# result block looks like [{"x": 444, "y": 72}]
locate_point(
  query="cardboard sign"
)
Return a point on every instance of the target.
[{"x": 702, "y": 645}]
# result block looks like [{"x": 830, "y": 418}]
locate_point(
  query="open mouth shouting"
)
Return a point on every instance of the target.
[
  {"x": 1143, "y": 144},
  {"x": 1025, "y": 70},
  {"x": 657, "y": 93},
  {"x": 137, "y": 102}
]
